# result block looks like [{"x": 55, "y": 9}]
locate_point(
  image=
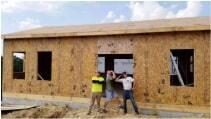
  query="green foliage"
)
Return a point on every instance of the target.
[{"x": 17, "y": 64}]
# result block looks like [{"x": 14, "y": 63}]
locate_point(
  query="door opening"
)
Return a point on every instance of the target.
[{"x": 118, "y": 63}]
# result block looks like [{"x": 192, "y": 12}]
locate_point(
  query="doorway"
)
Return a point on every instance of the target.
[{"x": 118, "y": 63}]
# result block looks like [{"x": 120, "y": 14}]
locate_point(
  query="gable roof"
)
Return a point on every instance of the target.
[{"x": 132, "y": 27}]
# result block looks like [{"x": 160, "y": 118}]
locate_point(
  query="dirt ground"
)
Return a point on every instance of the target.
[
  {"x": 59, "y": 111},
  {"x": 56, "y": 111}
]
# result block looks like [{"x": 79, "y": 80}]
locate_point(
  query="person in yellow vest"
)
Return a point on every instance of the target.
[{"x": 97, "y": 89}]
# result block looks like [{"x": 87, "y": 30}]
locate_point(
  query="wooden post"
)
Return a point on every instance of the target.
[
  {"x": 177, "y": 70},
  {"x": 40, "y": 76}
]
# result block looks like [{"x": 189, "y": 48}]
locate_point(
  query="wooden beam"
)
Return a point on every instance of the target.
[
  {"x": 40, "y": 76},
  {"x": 177, "y": 70},
  {"x": 12, "y": 107}
]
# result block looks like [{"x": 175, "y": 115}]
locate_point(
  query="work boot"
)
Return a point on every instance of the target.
[
  {"x": 89, "y": 113},
  {"x": 120, "y": 106},
  {"x": 99, "y": 110},
  {"x": 124, "y": 113},
  {"x": 137, "y": 113},
  {"x": 105, "y": 111}
]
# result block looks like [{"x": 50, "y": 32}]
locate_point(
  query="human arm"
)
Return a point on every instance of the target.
[
  {"x": 133, "y": 83},
  {"x": 97, "y": 82},
  {"x": 114, "y": 75},
  {"x": 118, "y": 79},
  {"x": 100, "y": 81}
]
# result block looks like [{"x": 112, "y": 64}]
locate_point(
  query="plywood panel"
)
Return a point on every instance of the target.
[
  {"x": 7, "y": 74},
  {"x": 31, "y": 84},
  {"x": 115, "y": 45},
  {"x": 78, "y": 57},
  {"x": 152, "y": 68},
  {"x": 74, "y": 63},
  {"x": 66, "y": 60},
  {"x": 140, "y": 68},
  {"x": 89, "y": 66},
  {"x": 194, "y": 41},
  {"x": 207, "y": 83},
  {"x": 14, "y": 85},
  {"x": 78, "y": 62}
]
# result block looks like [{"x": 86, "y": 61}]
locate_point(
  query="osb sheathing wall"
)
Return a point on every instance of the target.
[
  {"x": 152, "y": 59},
  {"x": 74, "y": 61},
  {"x": 115, "y": 45}
]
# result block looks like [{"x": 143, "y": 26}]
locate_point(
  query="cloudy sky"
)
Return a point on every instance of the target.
[{"x": 16, "y": 16}]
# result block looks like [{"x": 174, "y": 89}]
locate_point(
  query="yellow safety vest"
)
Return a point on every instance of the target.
[{"x": 95, "y": 86}]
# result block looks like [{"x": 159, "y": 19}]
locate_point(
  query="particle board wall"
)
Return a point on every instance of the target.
[
  {"x": 207, "y": 67},
  {"x": 74, "y": 61},
  {"x": 30, "y": 84},
  {"x": 115, "y": 45},
  {"x": 78, "y": 64},
  {"x": 152, "y": 58},
  {"x": 9, "y": 84}
]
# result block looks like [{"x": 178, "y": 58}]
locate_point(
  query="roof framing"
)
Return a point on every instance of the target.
[{"x": 132, "y": 27}]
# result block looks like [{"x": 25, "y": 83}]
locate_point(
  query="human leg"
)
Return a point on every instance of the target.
[
  {"x": 91, "y": 103},
  {"x": 118, "y": 99},
  {"x": 125, "y": 102},
  {"x": 133, "y": 102},
  {"x": 98, "y": 100},
  {"x": 109, "y": 97}
]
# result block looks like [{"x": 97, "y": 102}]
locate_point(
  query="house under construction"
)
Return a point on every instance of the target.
[{"x": 169, "y": 60}]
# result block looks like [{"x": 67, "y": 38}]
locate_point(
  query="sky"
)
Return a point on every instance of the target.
[{"x": 23, "y": 15}]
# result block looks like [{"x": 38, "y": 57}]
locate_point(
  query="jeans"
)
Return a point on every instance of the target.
[{"x": 128, "y": 94}]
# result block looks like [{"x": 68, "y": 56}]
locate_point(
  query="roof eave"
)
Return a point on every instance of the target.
[{"x": 112, "y": 32}]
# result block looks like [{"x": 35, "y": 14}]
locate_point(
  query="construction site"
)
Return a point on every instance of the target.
[{"x": 47, "y": 71}]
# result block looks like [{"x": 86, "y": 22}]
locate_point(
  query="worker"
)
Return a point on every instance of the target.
[
  {"x": 111, "y": 94},
  {"x": 127, "y": 93},
  {"x": 97, "y": 87}
]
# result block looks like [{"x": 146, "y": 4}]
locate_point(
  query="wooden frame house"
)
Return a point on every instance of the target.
[{"x": 170, "y": 60}]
